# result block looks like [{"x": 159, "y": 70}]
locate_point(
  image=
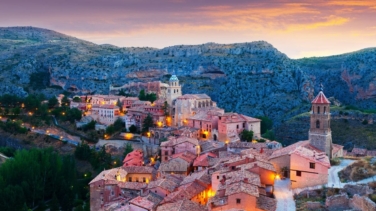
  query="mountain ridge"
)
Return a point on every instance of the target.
[{"x": 253, "y": 78}]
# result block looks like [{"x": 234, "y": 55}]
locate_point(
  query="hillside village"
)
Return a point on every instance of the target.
[{"x": 205, "y": 160}]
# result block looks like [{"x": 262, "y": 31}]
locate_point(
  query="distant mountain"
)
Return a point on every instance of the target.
[{"x": 252, "y": 78}]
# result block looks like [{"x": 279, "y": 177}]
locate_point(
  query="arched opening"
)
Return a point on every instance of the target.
[
  {"x": 324, "y": 109},
  {"x": 215, "y": 137},
  {"x": 318, "y": 109},
  {"x": 317, "y": 124}
]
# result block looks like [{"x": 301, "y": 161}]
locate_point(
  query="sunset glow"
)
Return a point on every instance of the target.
[{"x": 297, "y": 28}]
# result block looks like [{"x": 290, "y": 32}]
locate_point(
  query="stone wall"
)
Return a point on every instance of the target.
[
  {"x": 362, "y": 203},
  {"x": 313, "y": 205},
  {"x": 337, "y": 200},
  {"x": 357, "y": 189}
]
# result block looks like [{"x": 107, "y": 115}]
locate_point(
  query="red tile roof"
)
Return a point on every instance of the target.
[
  {"x": 135, "y": 158},
  {"x": 182, "y": 205},
  {"x": 186, "y": 191},
  {"x": 187, "y": 156},
  {"x": 320, "y": 99},
  {"x": 203, "y": 160}
]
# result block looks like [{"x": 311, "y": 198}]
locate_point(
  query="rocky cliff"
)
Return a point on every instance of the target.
[{"x": 253, "y": 78}]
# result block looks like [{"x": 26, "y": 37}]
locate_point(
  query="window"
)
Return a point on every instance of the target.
[
  {"x": 166, "y": 153},
  {"x": 136, "y": 179},
  {"x": 312, "y": 165},
  {"x": 238, "y": 201},
  {"x": 298, "y": 173},
  {"x": 129, "y": 179},
  {"x": 165, "y": 158},
  {"x": 219, "y": 118},
  {"x": 318, "y": 109},
  {"x": 143, "y": 179},
  {"x": 317, "y": 124},
  {"x": 218, "y": 177},
  {"x": 237, "y": 126},
  {"x": 233, "y": 167},
  {"x": 243, "y": 124},
  {"x": 324, "y": 109}
]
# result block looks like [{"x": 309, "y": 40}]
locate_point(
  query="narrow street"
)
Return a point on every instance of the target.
[{"x": 284, "y": 196}]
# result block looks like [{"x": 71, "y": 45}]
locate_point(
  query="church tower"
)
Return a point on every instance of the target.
[
  {"x": 174, "y": 90},
  {"x": 320, "y": 135}
]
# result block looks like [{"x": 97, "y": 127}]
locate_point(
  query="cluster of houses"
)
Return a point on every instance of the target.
[{"x": 202, "y": 164}]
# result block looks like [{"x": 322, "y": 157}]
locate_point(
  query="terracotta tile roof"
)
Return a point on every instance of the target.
[
  {"x": 139, "y": 169},
  {"x": 186, "y": 191},
  {"x": 262, "y": 164},
  {"x": 201, "y": 176},
  {"x": 149, "y": 202},
  {"x": 110, "y": 175},
  {"x": 177, "y": 178},
  {"x": 207, "y": 146},
  {"x": 132, "y": 185},
  {"x": 259, "y": 155},
  {"x": 359, "y": 151},
  {"x": 287, "y": 150},
  {"x": 266, "y": 203},
  {"x": 320, "y": 99},
  {"x": 187, "y": 156},
  {"x": 182, "y": 205},
  {"x": 235, "y": 117},
  {"x": 175, "y": 164},
  {"x": 194, "y": 96},
  {"x": 176, "y": 141},
  {"x": 248, "y": 145},
  {"x": 241, "y": 187},
  {"x": 163, "y": 183},
  {"x": 135, "y": 158},
  {"x": 203, "y": 160},
  {"x": 241, "y": 176},
  {"x": 303, "y": 149}
]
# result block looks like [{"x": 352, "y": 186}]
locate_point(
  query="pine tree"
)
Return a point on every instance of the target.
[
  {"x": 148, "y": 122},
  {"x": 128, "y": 149}
]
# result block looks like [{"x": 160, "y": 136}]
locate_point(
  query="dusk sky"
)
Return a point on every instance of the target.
[{"x": 297, "y": 28}]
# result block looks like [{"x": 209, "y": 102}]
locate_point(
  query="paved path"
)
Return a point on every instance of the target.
[
  {"x": 284, "y": 196},
  {"x": 333, "y": 180}
]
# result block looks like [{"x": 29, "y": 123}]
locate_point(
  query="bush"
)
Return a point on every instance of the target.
[
  {"x": 373, "y": 197},
  {"x": 335, "y": 161},
  {"x": 365, "y": 122}
]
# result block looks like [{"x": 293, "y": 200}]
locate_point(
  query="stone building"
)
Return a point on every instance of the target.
[
  {"x": 233, "y": 123},
  {"x": 320, "y": 134}
]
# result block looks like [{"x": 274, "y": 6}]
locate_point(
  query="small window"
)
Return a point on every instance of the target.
[
  {"x": 166, "y": 153},
  {"x": 233, "y": 167},
  {"x": 237, "y": 126},
  {"x": 143, "y": 179},
  {"x": 318, "y": 109},
  {"x": 312, "y": 165},
  {"x": 219, "y": 118},
  {"x": 238, "y": 201},
  {"x": 155, "y": 191},
  {"x": 218, "y": 177},
  {"x": 243, "y": 124},
  {"x": 298, "y": 173},
  {"x": 165, "y": 158},
  {"x": 129, "y": 179},
  {"x": 136, "y": 179}
]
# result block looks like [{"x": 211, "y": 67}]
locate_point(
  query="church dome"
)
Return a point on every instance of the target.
[{"x": 174, "y": 78}]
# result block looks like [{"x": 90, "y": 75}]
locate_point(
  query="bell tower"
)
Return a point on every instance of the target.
[
  {"x": 174, "y": 89},
  {"x": 320, "y": 134}
]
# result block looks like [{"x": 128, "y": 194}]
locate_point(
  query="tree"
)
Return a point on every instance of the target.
[
  {"x": 90, "y": 125},
  {"x": 110, "y": 130},
  {"x": 120, "y": 105},
  {"x": 16, "y": 111},
  {"x": 269, "y": 135},
  {"x": 142, "y": 95},
  {"x": 165, "y": 109},
  {"x": 73, "y": 114},
  {"x": 133, "y": 129},
  {"x": 93, "y": 136},
  {"x": 266, "y": 124},
  {"x": 54, "y": 205},
  {"x": 65, "y": 102},
  {"x": 52, "y": 102},
  {"x": 246, "y": 135},
  {"x": 128, "y": 149},
  {"x": 147, "y": 123},
  {"x": 118, "y": 124}
]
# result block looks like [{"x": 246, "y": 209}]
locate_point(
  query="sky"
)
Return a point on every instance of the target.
[{"x": 296, "y": 28}]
